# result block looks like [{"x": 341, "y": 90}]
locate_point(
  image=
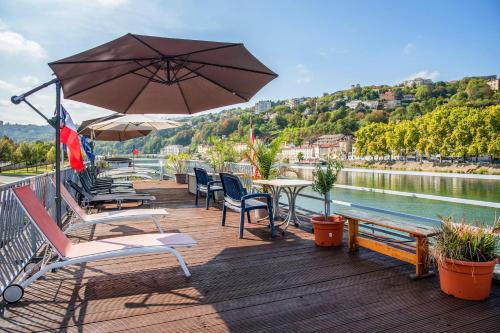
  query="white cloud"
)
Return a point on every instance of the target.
[
  {"x": 409, "y": 48},
  {"x": 8, "y": 87},
  {"x": 14, "y": 43},
  {"x": 111, "y": 3},
  {"x": 30, "y": 80},
  {"x": 425, "y": 74},
  {"x": 304, "y": 75}
]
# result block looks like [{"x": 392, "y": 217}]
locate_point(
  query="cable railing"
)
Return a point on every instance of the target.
[{"x": 19, "y": 239}]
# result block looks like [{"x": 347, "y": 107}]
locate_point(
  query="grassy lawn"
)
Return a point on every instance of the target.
[{"x": 29, "y": 171}]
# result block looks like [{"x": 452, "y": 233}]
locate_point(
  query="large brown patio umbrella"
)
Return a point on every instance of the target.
[
  {"x": 137, "y": 74},
  {"x": 144, "y": 74}
]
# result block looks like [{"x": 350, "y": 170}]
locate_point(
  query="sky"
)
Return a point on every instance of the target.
[{"x": 315, "y": 46}]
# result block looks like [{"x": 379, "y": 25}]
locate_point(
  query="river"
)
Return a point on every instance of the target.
[
  {"x": 485, "y": 189},
  {"x": 448, "y": 187}
]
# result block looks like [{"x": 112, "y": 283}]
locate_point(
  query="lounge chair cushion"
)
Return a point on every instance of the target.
[
  {"x": 127, "y": 214},
  {"x": 129, "y": 242}
]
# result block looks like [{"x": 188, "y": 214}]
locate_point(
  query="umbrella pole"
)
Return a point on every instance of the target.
[
  {"x": 58, "y": 153},
  {"x": 55, "y": 122}
]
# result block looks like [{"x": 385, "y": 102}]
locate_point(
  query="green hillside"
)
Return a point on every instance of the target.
[{"x": 315, "y": 116}]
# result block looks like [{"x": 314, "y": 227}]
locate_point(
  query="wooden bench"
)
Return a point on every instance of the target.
[{"x": 417, "y": 254}]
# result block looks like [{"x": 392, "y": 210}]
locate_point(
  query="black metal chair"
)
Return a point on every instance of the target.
[
  {"x": 205, "y": 184},
  {"x": 237, "y": 198}
]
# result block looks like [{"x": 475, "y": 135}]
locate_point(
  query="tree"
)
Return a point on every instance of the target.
[
  {"x": 300, "y": 156},
  {"x": 371, "y": 140},
  {"x": 51, "y": 155},
  {"x": 25, "y": 154},
  {"x": 424, "y": 91},
  {"x": 7, "y": 148},
  {"x": 478, "y": 89}
]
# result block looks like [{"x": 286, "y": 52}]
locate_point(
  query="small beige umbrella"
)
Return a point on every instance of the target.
[{"x": 134, "y": 123}]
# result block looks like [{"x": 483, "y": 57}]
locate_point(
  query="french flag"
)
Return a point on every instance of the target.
[{"x": 69, "y": 137}]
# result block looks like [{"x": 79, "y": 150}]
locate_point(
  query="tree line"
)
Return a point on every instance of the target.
[
  {"x": 455, "y": 132},
  {"x": 29, "y": 153}
]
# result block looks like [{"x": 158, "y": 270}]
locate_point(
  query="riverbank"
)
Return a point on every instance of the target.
[{"x": 458, "y": 168}]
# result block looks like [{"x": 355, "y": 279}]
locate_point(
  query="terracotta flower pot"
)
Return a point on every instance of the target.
[
  {"x": 466, "y": 279},
  {"x": 181, "y": 178},
  {"x": 329, "y": 231}
]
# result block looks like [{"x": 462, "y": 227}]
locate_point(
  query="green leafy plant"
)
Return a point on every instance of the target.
[
  {"x": 178, "y": 163},
  {"x": 465, "y": 242},
  {"x": 266, "y": 157},
  {"x": 324, "y": 178},
  {"x": 220, "y": 154}
]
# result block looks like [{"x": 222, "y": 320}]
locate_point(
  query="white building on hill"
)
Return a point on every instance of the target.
[{"x": 262, "y": 106}]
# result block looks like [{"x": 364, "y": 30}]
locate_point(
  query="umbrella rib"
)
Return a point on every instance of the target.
[
  {"x": 97, "y": 61},
  {"x": 184, "y": 97},
  {"x": 146, "y": 44},
  {"x": 150, "y": 71},
  {"x": 106, "y": 81},
  {"x": 217, "y": 84},
  {"x": 140, "y": 91},
  {"x": 209, "y": 49},
  {"x": 232, "y": 67}
]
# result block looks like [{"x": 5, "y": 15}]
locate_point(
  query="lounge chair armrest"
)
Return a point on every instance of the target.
[{"x": 256, "y": 195}]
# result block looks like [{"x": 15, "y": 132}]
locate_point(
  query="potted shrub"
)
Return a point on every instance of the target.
[
  {"x": 220, "y": 154},
  {"x": 264, "y": 158},
  {"x": 466, "y": 257},
  {"x": 178, "y": 164},
  {"x": 328, "y": 230}
]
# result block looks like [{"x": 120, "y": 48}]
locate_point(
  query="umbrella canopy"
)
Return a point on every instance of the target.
[
  {"x": 109, "y": 135},
  {"x": 137, "y": 74},
  {"x": 134, "y": 122}
]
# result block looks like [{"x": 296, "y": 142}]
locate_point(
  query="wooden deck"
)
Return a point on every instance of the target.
[{"x": 250, "y": 285}]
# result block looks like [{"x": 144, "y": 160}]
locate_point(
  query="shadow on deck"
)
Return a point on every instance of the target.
[{"x": 252, "y": 285}]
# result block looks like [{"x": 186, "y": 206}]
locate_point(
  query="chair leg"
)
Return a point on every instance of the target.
[
  {"x": 248, "y": 217},
  {"x": 224, "y": 208},
  {"x": 213, "y": 196},
  {"x": 207, "y": 200},
  {"x": 242, "y": 222},
  {"x": 196, "y": 198}
]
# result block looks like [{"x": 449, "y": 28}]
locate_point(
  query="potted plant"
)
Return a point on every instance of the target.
[
  {"x": 264, "y": 159},
  {"x": 466, "y": 257},
  {"x": 220, "y": 154},
  {"x": 178, "y": 164},
  {"x": 328, "y": 230}
]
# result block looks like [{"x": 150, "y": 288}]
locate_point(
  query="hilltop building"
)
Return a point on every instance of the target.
[
  {"x": 417, "y": 82},
  {"x": 494, "y": 84},
  {"x": 369, "y": 104},
  {"x": 294, "y": 102},
  {"x": 262, "y": 106},
  {"x": 388, "y": 96}
]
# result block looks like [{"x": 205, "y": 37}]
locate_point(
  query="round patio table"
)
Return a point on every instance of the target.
[{"x": 291, "y": 187}]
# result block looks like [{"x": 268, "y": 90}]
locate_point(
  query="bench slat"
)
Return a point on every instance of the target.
[{"x": 413, "y": 229}]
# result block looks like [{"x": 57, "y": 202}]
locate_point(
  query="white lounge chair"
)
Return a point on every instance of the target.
[
  {"x": 127, "y": 215},
  {"x": 71, "y": 254}
]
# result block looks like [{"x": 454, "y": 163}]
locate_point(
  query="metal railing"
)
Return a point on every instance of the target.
[{"x": 19, "y": 239}]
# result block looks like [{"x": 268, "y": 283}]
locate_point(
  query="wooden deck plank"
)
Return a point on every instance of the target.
[{"x": 250, "y": 285}]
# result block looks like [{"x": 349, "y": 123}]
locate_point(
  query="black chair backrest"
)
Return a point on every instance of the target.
[
  {"x": 201, "y": 176},
  {"x": 232, "y": 186},
  {"x": 78, "y": 189},
  {"x": 86, "y": 182}
]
